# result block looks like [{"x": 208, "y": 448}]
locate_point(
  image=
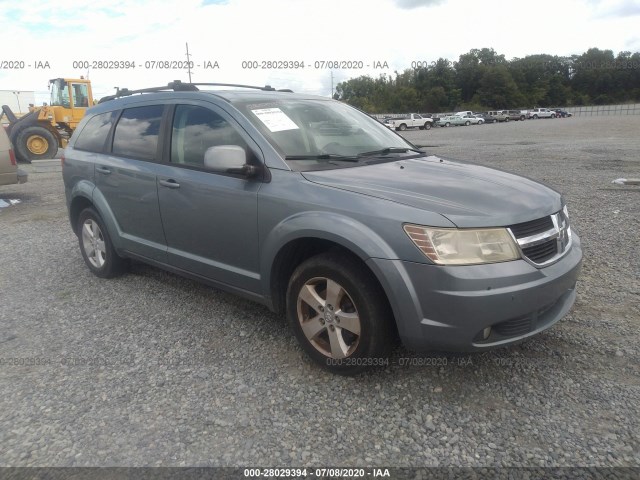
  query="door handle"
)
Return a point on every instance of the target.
[
  {"x": 104, "y": 170},
  {"x": 171, "y": 183}
]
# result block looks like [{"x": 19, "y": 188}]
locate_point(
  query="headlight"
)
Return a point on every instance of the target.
[{"x": 451, "y": 246}]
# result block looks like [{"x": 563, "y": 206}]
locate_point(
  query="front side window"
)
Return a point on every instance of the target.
[
  {"x": 93, "y": 136},
  {"x": 195, "y": 129},
  {"x": 59, "y": 94},
  {"x": 137, "y": 132}
]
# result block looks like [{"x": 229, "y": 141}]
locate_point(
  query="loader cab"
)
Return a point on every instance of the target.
[{"x": 72, "y": 97}]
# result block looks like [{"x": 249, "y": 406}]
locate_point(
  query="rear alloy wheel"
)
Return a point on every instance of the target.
[
  {"x": 96, "y": 247},
  {"x": 403, "y": 127},
  {"x": 339, "y": 314},
  {"x": 35, "y": 143}
]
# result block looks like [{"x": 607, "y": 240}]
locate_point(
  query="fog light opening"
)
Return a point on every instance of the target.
[{"x": 486, "y": 332}]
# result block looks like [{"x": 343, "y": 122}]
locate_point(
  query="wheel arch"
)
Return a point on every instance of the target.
[{"x": 282, "y": 254}]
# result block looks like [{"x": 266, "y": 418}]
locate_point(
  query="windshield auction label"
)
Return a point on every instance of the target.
[{"x": 275, "y": 119}]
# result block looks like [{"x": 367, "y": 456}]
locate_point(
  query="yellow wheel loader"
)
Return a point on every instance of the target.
[{"x": 38, "y": 134}]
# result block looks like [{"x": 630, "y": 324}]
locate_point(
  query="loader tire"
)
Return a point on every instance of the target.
[{"x": 35, "y": 143}]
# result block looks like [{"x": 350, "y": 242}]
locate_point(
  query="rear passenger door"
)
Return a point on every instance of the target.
[
  {"x": 209, "y": 218},
  {"x": 125, "y": 178}
]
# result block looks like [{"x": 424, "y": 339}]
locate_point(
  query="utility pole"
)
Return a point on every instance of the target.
[
  {"x": 331, "y": 83},
  {"x": 188, "y": 62}
]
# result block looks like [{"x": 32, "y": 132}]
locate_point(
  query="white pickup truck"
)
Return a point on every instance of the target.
[{"x": 410, "y": 121}]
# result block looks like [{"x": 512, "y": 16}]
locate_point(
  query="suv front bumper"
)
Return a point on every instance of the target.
[{"x": 449, "y": 308}]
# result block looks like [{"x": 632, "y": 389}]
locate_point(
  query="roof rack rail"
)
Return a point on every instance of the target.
[{"x": 179, "y": 86}]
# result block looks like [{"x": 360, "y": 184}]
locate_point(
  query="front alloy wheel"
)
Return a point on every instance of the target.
[
  {"x": 328, "y": 317},
  {"x": 340, "y": 314}
]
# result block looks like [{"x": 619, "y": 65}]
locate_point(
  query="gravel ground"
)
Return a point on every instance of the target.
[{"x": 152, "y": 369}]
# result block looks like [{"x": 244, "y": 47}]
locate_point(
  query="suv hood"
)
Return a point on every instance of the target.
[{"x": 468, "y": 195}]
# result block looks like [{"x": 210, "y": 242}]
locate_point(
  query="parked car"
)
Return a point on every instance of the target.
[
  {"x": 450, "y": 120},
  {"x": 412, "y": 120},
  {"x": 536, "y": 113},
  {"x": 512, "y": 115},
  {"x": 499, "y": 115},
  {"x": 319, "y": 212},
  {"x": 486, "y": 117},
  {"x": 471, "y": 119},
  {"x": 562, "y": 113},
  {"x": 9, "y": 171}
]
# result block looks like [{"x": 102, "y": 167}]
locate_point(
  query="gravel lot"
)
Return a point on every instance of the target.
[{"x": 152, "y": 369}]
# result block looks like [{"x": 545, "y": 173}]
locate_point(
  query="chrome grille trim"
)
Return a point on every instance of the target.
[{"x": 560, "y": 233}]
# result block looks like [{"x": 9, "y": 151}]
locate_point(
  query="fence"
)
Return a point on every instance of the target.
[
  {"x": 588, "y": 111},
  {"x": 596, "y": 110}
]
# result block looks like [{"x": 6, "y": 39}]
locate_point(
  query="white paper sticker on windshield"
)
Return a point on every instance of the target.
[{"x": 275, "y": 119}]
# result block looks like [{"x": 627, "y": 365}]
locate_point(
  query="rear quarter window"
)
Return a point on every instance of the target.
[{"x": 93, "y": 136}]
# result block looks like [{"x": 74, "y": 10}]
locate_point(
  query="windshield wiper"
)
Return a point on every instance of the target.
[
  {"x": 323, "y": 156},
  {"x": 387, "y": 150}
]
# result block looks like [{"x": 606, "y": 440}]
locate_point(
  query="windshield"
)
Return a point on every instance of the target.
[
  {"x": 319, "y": 134},
  {"x": 60, "y": 94}
]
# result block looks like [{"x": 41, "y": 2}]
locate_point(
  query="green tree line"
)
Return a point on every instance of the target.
[{"x": 483, "y": 80}]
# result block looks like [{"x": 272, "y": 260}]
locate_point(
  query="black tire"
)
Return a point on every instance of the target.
[
  {"x": 403, "y": 127},
  {"x": 506, "y": 119},
  {"x": 447, "y": 124},
  {"x": 112, "y": 265},
  {"x": 535, "y": 117},
  {"x": 467, "y": 123},
  {"x": 553, "y": 115},
  {"x": 522, "y": 118},
  {"x": 427, "y": 126},
  {"x": 360, "y": 296},
  {"x": 35, "y": 143}
]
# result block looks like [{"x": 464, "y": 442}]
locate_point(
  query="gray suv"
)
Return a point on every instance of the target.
[{"x": 318, "y": 211}]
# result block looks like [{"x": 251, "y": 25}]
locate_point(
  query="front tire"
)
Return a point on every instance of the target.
[
  {"x": 96, "y": 247},
  {"x": 447, "y": 124},
  {"x": 35, "y": 143},
  {"x": 403, "y": 127},
  {"x": 427, "y": 126},
  {"x": 467, "y": 123},
  {"x": 339, "y": 314}
]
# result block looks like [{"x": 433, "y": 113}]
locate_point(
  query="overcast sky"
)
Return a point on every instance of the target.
[{"x": 229, "y": 32}]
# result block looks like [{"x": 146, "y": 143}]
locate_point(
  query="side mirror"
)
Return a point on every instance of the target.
[{"x": 228, "y": 159}]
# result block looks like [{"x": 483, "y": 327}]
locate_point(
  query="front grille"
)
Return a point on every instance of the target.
[
  {"x": 513, "y": 328},
  {"x": 543, "y": 240},
  {"x": 533, "y": 227},
  {"x": 543, "y": 252}
]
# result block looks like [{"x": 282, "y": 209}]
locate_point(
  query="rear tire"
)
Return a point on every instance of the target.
[
  {"x": 467, "y": 123},
  {"x": 403, "y": 127},
  {"x": 339, "y": 314},
  {"x": 96, "y": 247},
  {"x": 35, "y": 143},
  {"x": 506, "y": 119}
]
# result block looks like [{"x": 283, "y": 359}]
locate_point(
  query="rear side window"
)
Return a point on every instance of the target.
[
  {"x": 93, "y": 136},
  {"x": 137, "y": 132},
  {"x": 195, "y": 129}
]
